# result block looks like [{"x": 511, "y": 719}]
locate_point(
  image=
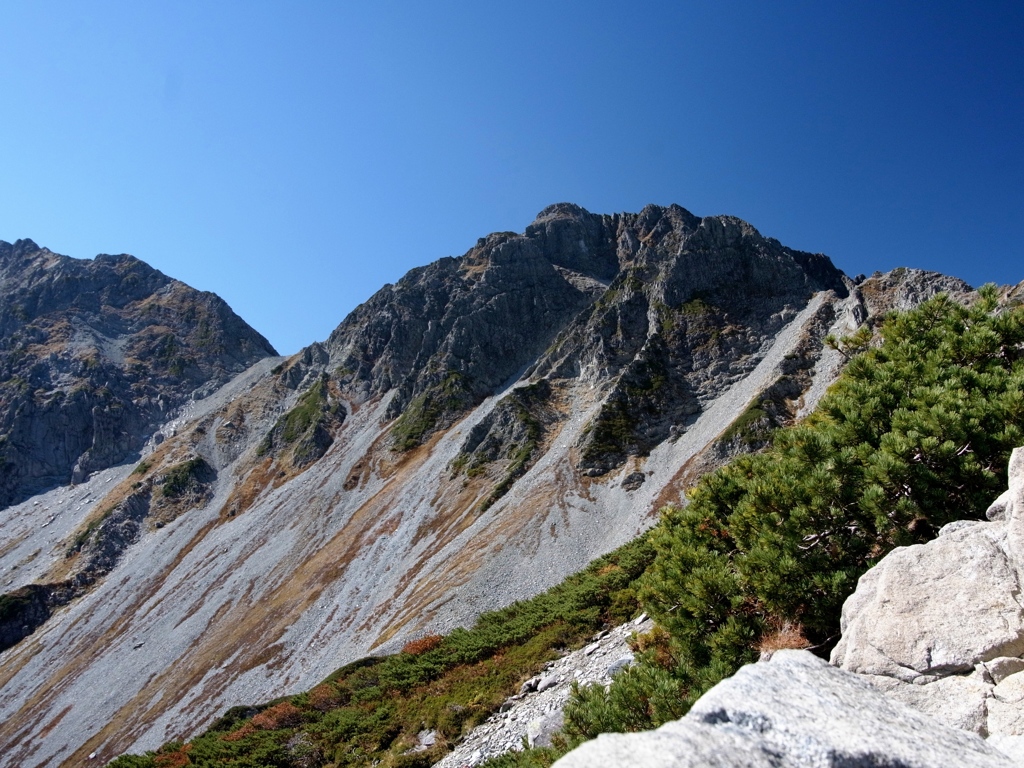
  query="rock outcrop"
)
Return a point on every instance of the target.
[
  {"x": 940, "y": 626},
  {"x": 794, "y": 711},
  {"x": 660, "y": 308},
  {"x": 94, "y": 355},
  {"x": 930, "y": 670}
]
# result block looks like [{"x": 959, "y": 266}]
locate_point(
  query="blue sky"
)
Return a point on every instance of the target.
[{"x": 294, "y": 157}]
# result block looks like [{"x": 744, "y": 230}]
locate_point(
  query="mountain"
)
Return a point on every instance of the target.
[
  {"x": 467, "y": 437},
  {"x": 94, "y": 354}
]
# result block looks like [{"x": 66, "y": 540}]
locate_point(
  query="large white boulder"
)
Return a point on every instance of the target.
[
  {"x": 940, "y": 626},
  {"x": 935, "y": 609},
  {"x": 794, "y": 711}
]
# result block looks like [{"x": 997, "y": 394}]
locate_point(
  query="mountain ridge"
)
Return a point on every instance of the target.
[{"x": 419, "y": 467}]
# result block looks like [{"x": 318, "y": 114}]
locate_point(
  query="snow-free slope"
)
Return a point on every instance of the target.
[{"x": 469, "y": 436}]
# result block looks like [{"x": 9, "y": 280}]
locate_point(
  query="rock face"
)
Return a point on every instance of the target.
[
  {"x": 663, "y": 306},
  {"x": 794, "y": 711},
  {"x": 940, "y": 626},
  {"x": 94, "y": 354},
  {"x": 466, "y": 438}
]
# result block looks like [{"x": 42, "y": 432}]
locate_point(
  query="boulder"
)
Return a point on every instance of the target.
[
  {"x": 959, "y": 701},
  {"x": 541, "y": 730},
  {"x": 794, "y": 710},
  {"x": 935, "y": 609},
  {"x": 940, "y": 626}
]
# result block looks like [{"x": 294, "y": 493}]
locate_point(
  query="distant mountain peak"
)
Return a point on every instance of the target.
[{"x": 98, "y": 351}]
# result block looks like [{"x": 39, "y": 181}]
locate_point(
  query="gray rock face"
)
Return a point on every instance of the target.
[
  {"x": 914, "y": 616},
  {"x": 94, "y": 354},
  {"x": 662, "y": 306},
  {"x": 792, "y": 711},
  {"x": 940, "y": 626},
  {"x": 455, "y": 330}
]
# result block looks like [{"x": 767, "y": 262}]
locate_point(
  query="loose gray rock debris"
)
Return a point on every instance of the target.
[{"x": 534, "y": 715}]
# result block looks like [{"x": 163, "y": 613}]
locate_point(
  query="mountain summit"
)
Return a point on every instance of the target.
[{"x": 467, "y": 437}]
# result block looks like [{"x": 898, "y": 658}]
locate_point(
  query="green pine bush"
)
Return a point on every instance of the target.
[{"x": 915, "y": 434}]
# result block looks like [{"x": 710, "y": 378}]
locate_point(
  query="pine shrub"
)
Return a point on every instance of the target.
[{"x": 915, "y": 434}]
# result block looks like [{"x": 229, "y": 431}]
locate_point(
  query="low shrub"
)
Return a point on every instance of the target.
[
  {"x": 915, "y": 434},
  {"x": 370, "y": 711}
]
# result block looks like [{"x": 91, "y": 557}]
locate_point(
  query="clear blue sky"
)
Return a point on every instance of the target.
[{"x": 294, "y": 157}]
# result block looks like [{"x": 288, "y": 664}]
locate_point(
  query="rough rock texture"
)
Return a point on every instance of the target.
[
  {"x": 792, "y": 711},
  {"x": 467, "y": 438},
  {"x": 940, "y": 626},
  {"x": 935, "y": 609},
  {"x": 94, "y": 354},
  {"x": 660, "y": 308}
]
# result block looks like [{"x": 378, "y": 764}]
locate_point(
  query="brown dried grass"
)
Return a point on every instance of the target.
[
  {"x": 324, "y": 697},
  {"x": 422, "y": 644},
  {"x": 283, "y": 715},
  {"x": 176, "y": 759},
  {"x": 786, "y": 635}
]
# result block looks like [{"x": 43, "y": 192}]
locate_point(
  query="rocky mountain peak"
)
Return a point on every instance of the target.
[
  {"x": 570, "y": 237},
  {"x": 576, "y": 284},
  {"x": 562, "y": 210},
  {"x": 94, "y": 354},
  {"x": 17, "y": 249}
]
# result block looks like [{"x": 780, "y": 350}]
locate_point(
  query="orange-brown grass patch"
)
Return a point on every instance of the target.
[
  {"x": 657, "y": 643},
  {"x": 474, "y": 270},
  {"x": 701, "y": 463},
  {"x": 9, "y": 546},
  {"x": 283, "y": 715},
  {"x": 359, "y": 476},
  {"x": 54, "y": 722},
  {"x": 422, "y": 644},
  {"x": 177, "y": 758},
  {"x": 247, "y": 729},
  {"x": 325, "y": 697}
]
